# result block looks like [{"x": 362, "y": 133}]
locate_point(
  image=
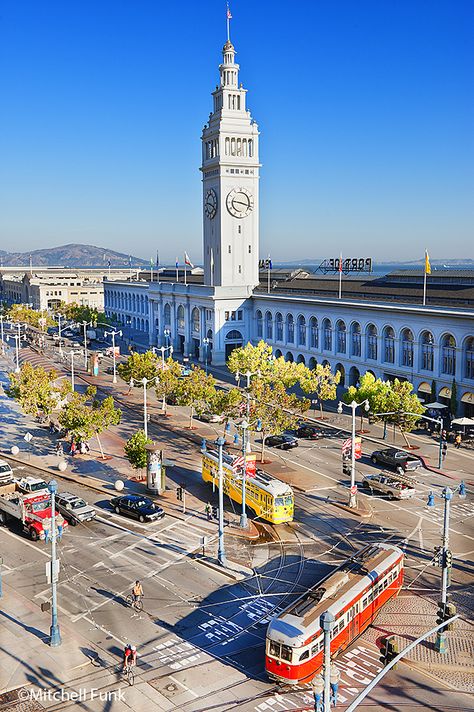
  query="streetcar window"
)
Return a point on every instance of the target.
[
  {"x": 279, "y": 502},
  {"x": 274, "y": 649},
  {"x": 305, "y": 655},
  {"x": 288, "y": 501},
  {"x": 286, "y": 653},
  {"x": 316, "y": 648},
  {"x": 365, "y": 602}
]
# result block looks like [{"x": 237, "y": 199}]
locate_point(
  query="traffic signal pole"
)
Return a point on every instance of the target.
[
  {"x": 220, "y": 442},
  {"x": 441, "y": 642},
  {"x": 393, "y": 662}
]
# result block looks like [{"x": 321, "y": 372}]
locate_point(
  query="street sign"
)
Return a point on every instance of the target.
[
  {"x": 346, "y": 446},
  {"x": 354, "y": 489},
  {"x": 28, "y": 437},
  {"x": 52, "y": 570},
  {"x": 358, "y": 448}
]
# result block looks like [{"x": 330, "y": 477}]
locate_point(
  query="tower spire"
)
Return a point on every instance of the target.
[{"x": 229, "y": 18}]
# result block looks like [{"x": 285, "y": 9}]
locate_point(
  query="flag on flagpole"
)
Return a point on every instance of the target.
[
  {"x": 427, "y": 263},
  {"x": 229, "y": 14},
  {"x": 187, "y": 261},
  {"x": 177, "y": 263},
  {"x": 340, "y": 275}
]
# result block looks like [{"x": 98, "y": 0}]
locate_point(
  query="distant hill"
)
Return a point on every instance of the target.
[{"x": 73, "y": 255}]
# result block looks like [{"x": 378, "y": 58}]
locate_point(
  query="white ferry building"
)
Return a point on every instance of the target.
[{"x": 379, "y": 324}]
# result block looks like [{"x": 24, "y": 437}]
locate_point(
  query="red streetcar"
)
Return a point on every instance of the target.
[{"x": 354, "y": 594}]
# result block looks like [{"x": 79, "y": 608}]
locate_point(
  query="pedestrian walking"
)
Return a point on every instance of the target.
[
  {"x": 458, "y": 441},
  {"x": 73, "y": 449},
  {"x": 208, "y": 512}
]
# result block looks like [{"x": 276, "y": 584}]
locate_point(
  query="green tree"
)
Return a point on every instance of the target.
[
  {"x": 79, "y": 314},
  {"x": 320, "y": 381},
  {"x": 24, "y": 314},
  {"x": 251, "y": 358},
  {"x": 85, "y": 416},
  {"x": 139, "y": 366},
  {"x": 396, "y": 398},
  {"x": 227, "y": 403},
  {"x": 38, "y": 390},
  {"x": 453, "y": 401},
  {"x": 135, "y": 450},
  {"x": 196, "y": 391},
  {"x": 274, "y": 410},
  {"x": 168, "y": 380}
]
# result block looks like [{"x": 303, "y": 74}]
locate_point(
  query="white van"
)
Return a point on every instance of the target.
[{"x": 394, "y": 486}]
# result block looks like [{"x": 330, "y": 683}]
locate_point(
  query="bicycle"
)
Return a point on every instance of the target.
[
  {"x": 129, "y": 673},
  {"x": 137, "y": 603}
]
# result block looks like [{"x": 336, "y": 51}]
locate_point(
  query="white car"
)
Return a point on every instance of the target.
[
  {"x": 32, "y": 485},
  {"x": 6, "y": 473}
]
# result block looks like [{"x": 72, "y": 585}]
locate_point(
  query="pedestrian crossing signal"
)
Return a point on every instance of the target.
[
  {"x": 179, "y": 494},
  {"x": 215, "y": 512},
  {"x": 389, "y": 650}
]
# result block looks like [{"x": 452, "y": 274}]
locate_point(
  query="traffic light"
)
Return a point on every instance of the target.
[
  {"x": 215, "y": 512},
  {"x": 449, "y": 612},
  {"x": 441, "y": 613},
  {"x": 448, "y": 559},
  {"x": 179, "y": 494},
  {"x": 437, "y": 556},
  {"x": 389, "y": 650}
]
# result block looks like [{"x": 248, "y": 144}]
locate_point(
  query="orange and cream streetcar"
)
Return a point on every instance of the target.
[{"x": 354, "y": 594}]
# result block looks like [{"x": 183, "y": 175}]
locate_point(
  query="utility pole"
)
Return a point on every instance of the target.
[
  {"x": 220, "y": 442},
  {"x": 243, "y": 517},
  {"x": 327, "y": 621},
  {"x": 55, "y": 635}
]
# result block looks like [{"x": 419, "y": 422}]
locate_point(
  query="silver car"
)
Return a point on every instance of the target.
[{"x": 74, "y": 509}]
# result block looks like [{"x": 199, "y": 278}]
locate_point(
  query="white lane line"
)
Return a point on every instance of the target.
[
  {"x": 27, "y": 543},
  {"x": 188, "y": 689}
]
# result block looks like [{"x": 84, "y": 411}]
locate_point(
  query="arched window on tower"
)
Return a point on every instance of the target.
[
  {"x": 227, "y": 146},
  {"x": 232, "y": 146},
  {"x": 250, "y": 147},
  {"x": 244, "y": 148},
  {"x": 239, "y": 146}
]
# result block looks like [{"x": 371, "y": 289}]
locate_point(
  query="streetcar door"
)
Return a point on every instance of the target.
[{"x": 353, "y": 621}]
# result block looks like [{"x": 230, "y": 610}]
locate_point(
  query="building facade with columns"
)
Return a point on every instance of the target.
[{"x": 210, "y": 315}]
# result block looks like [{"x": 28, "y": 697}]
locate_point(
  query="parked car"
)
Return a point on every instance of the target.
[
  {"x": 74, "y": 509},
  {"x": 137, "y": 507},
  {"x": 32, "y": 485},
  {"x": 391, "y": 485},
  {"x": 399, "y": 460},
  {"x": 310, "y": 432},
  {"x": 6, "y": 473},
  {"x": 67, "y": 333},
  {"x": 283, "y": 442},
  {"x": 211, "y": 418}
]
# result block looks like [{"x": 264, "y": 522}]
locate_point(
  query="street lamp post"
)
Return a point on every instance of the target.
[
  {"x": 441, "y": 644},
  {"x": 243, "y": 517},
  {"x": 17, "y": 350},
  {"x": 205, "y": 343},
  {"x": 72, "y": 354},
  {"x": 60, "y": 316},
  {"x": 113, "y": 334},
  {"x": 327, "y": 621},
  {"x": 1, "y": 334},
  {"x": 220, "y": 442},
  {"x": 144, "y": 382},
  {"x": 55, "y": 635},
  {"x": 163, "y": 350},
  {"x": 85, "y": 324},
  {"x": 353, "y": 406}
]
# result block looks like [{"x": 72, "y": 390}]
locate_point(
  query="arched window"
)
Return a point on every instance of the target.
[
  {"x": 227, "y": 146},
  {"x": 180, "y": 317},
  {"x": 327, "y": 335},
  {"x": 250, "y": 148},
  {"x": 290, "y": 329},
  {"x": 340, "y": 337},
  {"x": 355, "y": 339},
  {"x": 389, "y": 345},
  {"x": 269, "y": 326},
  {"x": 278, "y": 353},
  {"x": 448, "y": 354},
  {"x": 259, "y": 318},
  {"x": 244, "y": 147},
  {"x": 289, "y": 357},
  {"x": 232, "y": 144},
  {"x": 196, "y": 321},
  {"x": 469, "y": 357},
  {"x": 301, "y": 330},
  {"x": 427, "y": 351},
  {"x": 314, "y": 333},
  {"x": 372, "y": 342},
  {"x": 312, "y": 363},
  {"x": 167, "y": 314},
  {"x": 279, "y": 327},
  {"x": 407, "y": 348},
  {"x": 301, "y": 359}
]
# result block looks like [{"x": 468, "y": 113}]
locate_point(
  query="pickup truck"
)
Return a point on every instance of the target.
[
  {"x": 32, "y": 485},
  {"x": 394, "y": 486},
  {"x": 31, "y": 511},
  {"x": 399, "y": 460}
]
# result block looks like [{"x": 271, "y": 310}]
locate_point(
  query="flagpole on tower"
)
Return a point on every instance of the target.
[
  {"x": 427, "y": 271},
  {"x": 229, "y": 18}
]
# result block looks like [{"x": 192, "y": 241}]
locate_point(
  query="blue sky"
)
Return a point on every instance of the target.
[{"x": 365, "y": 110}]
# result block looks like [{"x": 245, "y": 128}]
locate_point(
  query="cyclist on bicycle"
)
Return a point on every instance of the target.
[
  {"x": 129, "y": 656},
  {"x": 137, "y": 592}
]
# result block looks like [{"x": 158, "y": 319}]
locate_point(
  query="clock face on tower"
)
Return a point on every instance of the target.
[
  {"x": 240, "y": 202},
  {"x": 210, "y": 204}
]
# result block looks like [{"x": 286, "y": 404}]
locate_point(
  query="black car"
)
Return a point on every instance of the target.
[
  {"x": 283, "y": 442},
  {"x": 399, "y": 460},
  {"x": 310, "y": 432},
  {"x": 137, "y": 507}
]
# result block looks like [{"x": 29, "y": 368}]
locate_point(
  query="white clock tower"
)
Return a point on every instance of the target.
[{"x": 230, "y": 170}]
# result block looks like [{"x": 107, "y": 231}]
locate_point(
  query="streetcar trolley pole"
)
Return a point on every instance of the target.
[{"x": 444, "y": 558}]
